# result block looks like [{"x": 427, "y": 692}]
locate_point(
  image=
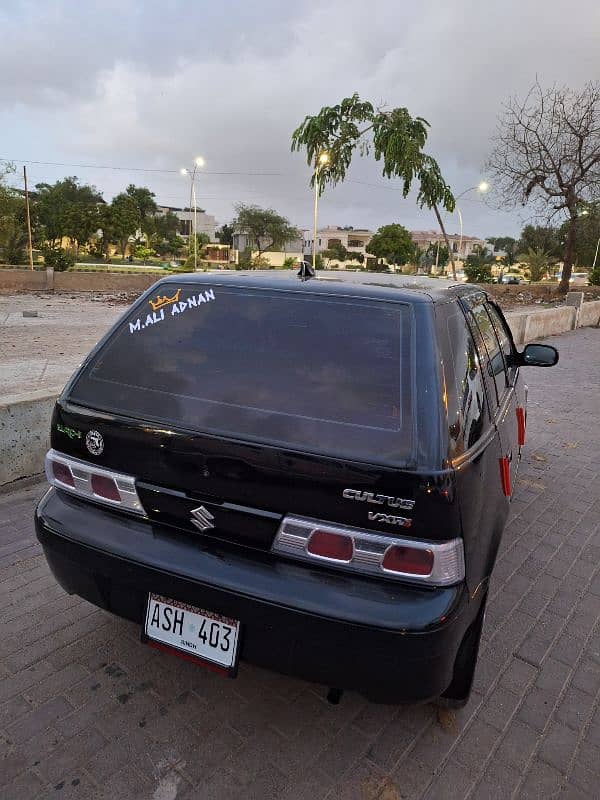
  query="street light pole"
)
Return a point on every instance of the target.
[
  {"x": 320, "y": 162},
  {"x": 198, "y": 162},
  {"x": 28, "y": 218},
  {"x": 460, "y": 241},
  {"x": 481, "y": 187}
]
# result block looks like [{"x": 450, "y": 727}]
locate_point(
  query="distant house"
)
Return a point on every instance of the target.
[
  {"x": 355, "y": 240},
  {"x": 205, "y": 223},
  {"x": 461, "y": 248}
]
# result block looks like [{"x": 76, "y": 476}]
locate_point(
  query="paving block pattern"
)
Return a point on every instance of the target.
[{"x": 87, "y": 711}]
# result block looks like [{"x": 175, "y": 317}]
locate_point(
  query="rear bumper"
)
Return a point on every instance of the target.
[{"x": 390, "y": 642}]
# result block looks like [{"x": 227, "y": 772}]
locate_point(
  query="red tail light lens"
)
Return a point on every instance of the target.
[
  {"x": 408, "y": 560},
  {"x": 105, "y": 487},
  {"x": 330, "y": 545},
  {"x": 62, "y": 473}
]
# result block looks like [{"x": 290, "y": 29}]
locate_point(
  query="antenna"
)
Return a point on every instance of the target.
[{"x": 306, "y": 272}]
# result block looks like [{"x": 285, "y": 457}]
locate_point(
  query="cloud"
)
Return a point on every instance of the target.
[{"x": 154, "y": 84}]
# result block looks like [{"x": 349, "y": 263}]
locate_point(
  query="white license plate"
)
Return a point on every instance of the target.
[{"x": 193, "y": 631}]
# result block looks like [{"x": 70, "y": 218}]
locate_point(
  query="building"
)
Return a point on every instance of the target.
[
  {"x": 355, "y": 240},
  {"x": 205, "y": 223},
  {"x": 423, "y": 239}
]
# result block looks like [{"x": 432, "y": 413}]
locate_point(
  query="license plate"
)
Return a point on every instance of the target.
[{"x": 198, "y": 634}]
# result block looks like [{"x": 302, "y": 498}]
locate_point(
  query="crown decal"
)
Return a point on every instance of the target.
[{"x": 164, "y": 300}]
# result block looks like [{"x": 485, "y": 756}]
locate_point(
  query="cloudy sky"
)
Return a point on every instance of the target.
[{"x": 145, "y": 86}]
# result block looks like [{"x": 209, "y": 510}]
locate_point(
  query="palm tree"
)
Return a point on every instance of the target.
[{"x": 537, "y": 261}]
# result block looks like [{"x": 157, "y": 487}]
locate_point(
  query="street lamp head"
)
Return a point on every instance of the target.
[
  {"x": 483, "y": 186},
  {"x": 323, "y": 158},
  {"x": 199, "y": 161},
  {"x": 183, "y": 171}
]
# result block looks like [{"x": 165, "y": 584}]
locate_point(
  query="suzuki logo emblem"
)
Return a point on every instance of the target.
[{"x": 202, "y": 518}]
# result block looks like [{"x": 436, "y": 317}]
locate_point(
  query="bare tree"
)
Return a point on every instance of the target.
[{"x": 547, "y": 153}]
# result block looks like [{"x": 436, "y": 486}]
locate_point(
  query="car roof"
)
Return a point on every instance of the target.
[{"x": 376, "y": 285}]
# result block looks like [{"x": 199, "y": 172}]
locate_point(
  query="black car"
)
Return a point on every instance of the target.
[{"x": 308, "y": 475}]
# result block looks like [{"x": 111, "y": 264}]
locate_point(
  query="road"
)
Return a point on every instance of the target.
[{"x": 87, "y": 711}]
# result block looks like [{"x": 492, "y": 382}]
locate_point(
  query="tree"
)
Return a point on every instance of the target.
[
  {"x": 588, "y": 235},
  {"x": 337, "y": 251},
  {"x": 537, "y": 262},
  {"x": 121, "y": 221},
  {"x": 162, "y": 233},
  {"x": 13, "y": 242},
  {"x": 477, "y": 271},
  {"x": 225, "y": 234},
  {"x": 144, "y": 201},
  {"x": 539, "y": 237},
  {"x": 13, "y": 230},
  {"x": 393, "y": 243},
  {"x": 547, "y": 153},
  {"x": 265, "y": 228},
  {"x": 143, "y": 252},
  {"x": 202, "y": 239},
  {"x": 437, "y": 253},
  {"x": 478, "y": 266},
  {"x": 506, "y": 243},
  {"x": 65, "y": 209},
  {"x": 396, "y": 138}
]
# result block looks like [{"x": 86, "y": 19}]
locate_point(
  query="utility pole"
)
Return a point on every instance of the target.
[{"x": 28, "y": 217}]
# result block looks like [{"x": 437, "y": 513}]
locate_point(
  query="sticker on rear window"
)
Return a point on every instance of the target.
[{"x": 161, "y": 311}]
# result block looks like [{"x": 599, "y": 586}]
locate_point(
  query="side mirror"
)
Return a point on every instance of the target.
[{"x": 539, "y": 355}]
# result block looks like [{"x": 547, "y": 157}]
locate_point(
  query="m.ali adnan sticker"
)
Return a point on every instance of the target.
[{"x": 177, "y": 306}]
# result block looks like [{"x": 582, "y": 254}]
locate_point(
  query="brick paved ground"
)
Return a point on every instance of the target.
[{"x": 86, "y": 711}]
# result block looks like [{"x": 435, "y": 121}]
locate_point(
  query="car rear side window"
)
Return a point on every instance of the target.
[
  {"x": 324, "y": 374},
  {"x": 492, "y": 348},
  {"x": 505, "y": 339},
  {"x": 468, "y": 395}
]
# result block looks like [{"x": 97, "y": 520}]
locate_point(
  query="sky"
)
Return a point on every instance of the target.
[{"x": 146, "y": 86}]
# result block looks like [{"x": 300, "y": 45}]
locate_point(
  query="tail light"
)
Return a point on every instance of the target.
[
  {"x": 62, "y": 473},
  {"x": 93, "y": 483},
  {"x": 332, "y": 546},
  {"x": 355, "y": 550},
  {"x": 408, "y": 560}
]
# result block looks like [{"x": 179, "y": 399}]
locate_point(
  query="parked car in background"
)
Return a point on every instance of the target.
[
  {"x": 579, "y": 278},
  {"x": 576, "y": 279},
  {"x": 312, "y": 476}
]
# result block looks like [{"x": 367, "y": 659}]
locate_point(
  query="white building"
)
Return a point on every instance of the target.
[
  {"x": 205, "y": 223},
  {"x": 355, "y": 240},
  {"x": 461, "y": 248}
]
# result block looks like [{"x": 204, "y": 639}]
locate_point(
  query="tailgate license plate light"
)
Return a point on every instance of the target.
[{"x": 192, "y": 633}]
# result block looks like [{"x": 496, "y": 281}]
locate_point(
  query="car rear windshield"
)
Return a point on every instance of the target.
[{"x": 318, "y": 373}]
